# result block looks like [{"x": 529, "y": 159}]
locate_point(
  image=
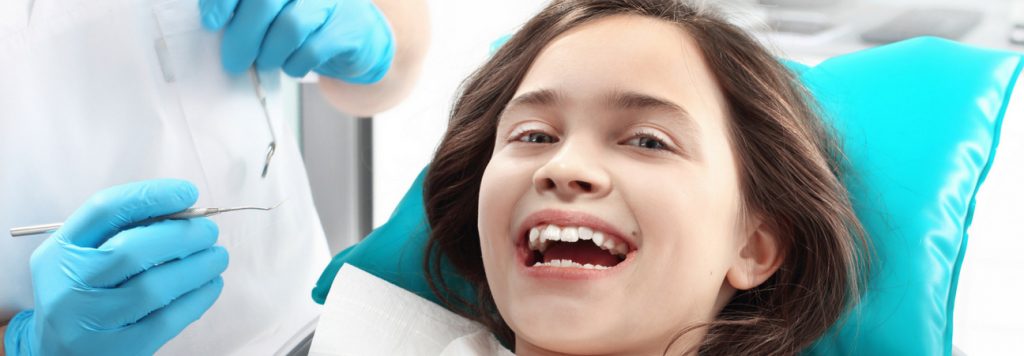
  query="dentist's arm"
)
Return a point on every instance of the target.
[
  {"x": 3, "y": 331},
  {"x": 368, "y": 54}
]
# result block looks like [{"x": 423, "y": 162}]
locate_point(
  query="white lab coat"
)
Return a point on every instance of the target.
[{"x": 99, "y": 93}]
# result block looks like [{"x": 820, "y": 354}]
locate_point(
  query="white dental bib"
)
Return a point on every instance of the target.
[{"x": 366, "y": 315}]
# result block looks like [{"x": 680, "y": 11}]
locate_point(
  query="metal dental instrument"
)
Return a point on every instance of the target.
[
  {"x": 262, "y": 95},
  {"x": 184, "y": 214}
]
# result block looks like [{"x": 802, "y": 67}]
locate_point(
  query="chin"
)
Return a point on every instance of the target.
[{"x": 572, "y": 330}]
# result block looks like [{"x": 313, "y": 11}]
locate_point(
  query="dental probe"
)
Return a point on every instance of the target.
[
  {"x": 262, "y": 96},
  {"x": 184, "y": 214}
]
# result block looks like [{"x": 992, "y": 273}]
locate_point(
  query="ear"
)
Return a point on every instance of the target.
[{"x": 760, "y": 255}]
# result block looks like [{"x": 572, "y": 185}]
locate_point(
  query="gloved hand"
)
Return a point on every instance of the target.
[
  {"x": 345, "y": 39},
  {"x": 102, "y": 288}
]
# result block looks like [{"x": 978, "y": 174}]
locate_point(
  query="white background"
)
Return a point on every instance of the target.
[{"x": 989, "y": 315}]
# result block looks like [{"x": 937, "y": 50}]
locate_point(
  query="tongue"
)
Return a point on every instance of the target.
[{"x": 583, "y": 252}]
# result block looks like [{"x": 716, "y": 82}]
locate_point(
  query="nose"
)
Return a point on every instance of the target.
[{"x": 574, "y": 171}]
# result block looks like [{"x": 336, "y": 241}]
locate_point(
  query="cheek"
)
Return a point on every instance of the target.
[
  {"x": 690, "y": 205},
  {"x": 502, "y": 186},
  {"x": 690, "y": 252},
  {"x": 688, "y": 225}
]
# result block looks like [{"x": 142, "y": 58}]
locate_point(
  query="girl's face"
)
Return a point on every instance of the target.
[{"x": 616, "y": 137}]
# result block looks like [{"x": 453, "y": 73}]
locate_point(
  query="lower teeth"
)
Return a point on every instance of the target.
[{"x": 568, "y": 264}]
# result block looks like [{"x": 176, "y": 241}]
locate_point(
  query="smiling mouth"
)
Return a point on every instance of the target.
[{"x": 573, "y": 247}]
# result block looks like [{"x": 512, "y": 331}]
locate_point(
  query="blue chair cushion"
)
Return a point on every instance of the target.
[{"x": 920, "y": 123}]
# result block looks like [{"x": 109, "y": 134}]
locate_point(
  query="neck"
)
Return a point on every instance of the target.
[{"x": 679, "y": 347}]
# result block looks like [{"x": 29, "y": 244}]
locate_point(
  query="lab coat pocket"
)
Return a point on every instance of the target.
[
  {"x": 180, "y": 30},
  {"x": 229, "y": 127}
]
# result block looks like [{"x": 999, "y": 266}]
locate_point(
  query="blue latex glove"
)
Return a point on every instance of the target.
[
  {"x": 102, "y": 288},
  {"x": 345, "y": 39}
]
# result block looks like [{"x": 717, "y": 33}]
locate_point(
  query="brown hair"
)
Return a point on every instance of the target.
[{"x": 790, "y": 167}]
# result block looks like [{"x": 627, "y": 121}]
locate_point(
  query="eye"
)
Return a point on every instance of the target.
[
  {"x": 535, "y": 137},
  {"x": 647, "y": 141}
]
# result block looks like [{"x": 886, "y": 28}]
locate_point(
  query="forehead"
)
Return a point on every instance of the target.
[{"x": 626, "y": 53}]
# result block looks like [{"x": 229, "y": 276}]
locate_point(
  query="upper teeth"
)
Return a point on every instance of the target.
[{"x": 542, "y": 236}]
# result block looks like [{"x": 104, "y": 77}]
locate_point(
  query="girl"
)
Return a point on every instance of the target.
[{"x": 642, "y": 177}]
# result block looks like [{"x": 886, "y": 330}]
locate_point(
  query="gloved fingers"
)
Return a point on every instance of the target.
[
  {"x": 118, "y": 207},
  {"x": 290, "y": 29},
  {"x": 159, "y": 327},
  {"x": 366, "y": 66},
  {"x": 216, "y": 13},
  {"x": 359, "y": 49},
  {"x": 159, "y": 286},
  {"x": 244, "y": 35},
  {"x": 135, "y": 250},
  {"x": 317, "y": 49},
  {"x": 20, "y": 329}
]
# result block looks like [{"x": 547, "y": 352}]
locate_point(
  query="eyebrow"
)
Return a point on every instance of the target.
[
  {"x": 626, "y": 100},
  {"x": 543, "y": 97},
  {"x": 638, "y": 101}
]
